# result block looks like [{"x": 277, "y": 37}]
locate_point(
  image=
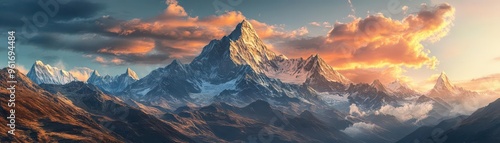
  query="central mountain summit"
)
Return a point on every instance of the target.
[
  {"x": 244, "y": 47},
  {"x": 239, "y": 68}
]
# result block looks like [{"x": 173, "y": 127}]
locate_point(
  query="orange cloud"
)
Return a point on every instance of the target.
[
  {"x": 177, "y": 35},
  {"x": 133, "y": 47},
  {"x": 489, "y": 83},
  {"x": 100, "y": 59},
  {"x": 497, "y": 59},
  {"x": 377, "y": 41},
  {"x": 315, "y": 24},
  {"x": 114, "y": 60}
]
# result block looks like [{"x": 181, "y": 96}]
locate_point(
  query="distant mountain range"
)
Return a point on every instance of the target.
[
  {"x": 113, "y": 84},
  {"x": 482, "y": 126}
]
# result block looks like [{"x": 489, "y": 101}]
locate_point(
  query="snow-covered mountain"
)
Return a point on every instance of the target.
[
  {"x": 445, "y": 90},
  {"x": 443, "y": 87},
  {"x": 238, "y": 69},
  {"x": 244, "y": 47},
  {"x": 401, "y": 89},
  {"x": 113, "y": 84},
  {"x": 41, "y": 73},
  {"x": 380, "y": 87}
]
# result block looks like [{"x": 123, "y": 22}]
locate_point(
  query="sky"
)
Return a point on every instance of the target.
[{"x": 409, "y": 40}]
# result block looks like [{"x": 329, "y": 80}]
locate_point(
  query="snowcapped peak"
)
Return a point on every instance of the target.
[
  {"x": 39, "y": 63},
  {"x": 283, "y": 57},
  {"x": 376, "y": 82},
  {"x": 315, "y": 56},
  {"x": 95, "y": 73},
  {"x": 242, "y": 30},
  {"x": 378, "y": 85},
  {"x": 395, "y": 85},
  {"x": 176, "y": 62},
  {"x": 444, "y": 83},
  {"x": 132, "y": 74},
  {"x": 93, "y": 77},
  {"x": 41, "y": 73}
]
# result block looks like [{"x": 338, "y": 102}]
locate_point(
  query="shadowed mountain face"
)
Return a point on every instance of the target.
[{"x": 220, "y": 122}]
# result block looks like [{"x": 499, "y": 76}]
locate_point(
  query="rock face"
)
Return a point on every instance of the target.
[
  {"x": 46, "y": 74},
  {"x": 113, "y": 84},
  {"x": 237, "y": 69}
]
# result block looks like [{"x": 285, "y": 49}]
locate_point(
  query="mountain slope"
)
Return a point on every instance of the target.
[
  {"x": 45, "y": 117},
  {"x": 220, "y": 122},
  {"x": 128, "y": 122},
  {"x": 41, "y": 73}
]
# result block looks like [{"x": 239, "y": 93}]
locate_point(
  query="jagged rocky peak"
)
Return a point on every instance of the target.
[
  {"x": 379, "y": 86},
  {"x": 396, "y": 84},
  {"x": 113, "y": 84},
  {"x": 39, "y": 63},
  {"x": 242, "y": 47},
  {"x": 132, "y": 74},
  {"x": 246, "y": 48},
  {"x": 443, "y": 83},
  {"x": 41, "y": 73},
  {"x": 318, "y": 66},
  {"x": 94, "y": 76},
  {"x": 243, "y": 30},
  {"x": 96, "y": 73},
  {"x": 175, "y": 63}
]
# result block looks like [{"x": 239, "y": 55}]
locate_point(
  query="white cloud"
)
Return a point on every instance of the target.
[
  {"x": 354, "y": 111},
  {"x": 359, "y": 128},
  {"x": 315, "y": 24},
  {"x": 81, "y": 73},
  {"x": 407, "y": 111},
  {"x": 473, "y": 103}
]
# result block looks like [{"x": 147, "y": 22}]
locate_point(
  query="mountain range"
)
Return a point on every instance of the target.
[
  {"x": 41, "y": 73},
  {"x": 235, "y": 90}
]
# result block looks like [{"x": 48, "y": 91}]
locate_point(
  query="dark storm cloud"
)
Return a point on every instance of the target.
[
  {"x": 11, "y": 12},
  {"x": 126, "y": 50}
]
